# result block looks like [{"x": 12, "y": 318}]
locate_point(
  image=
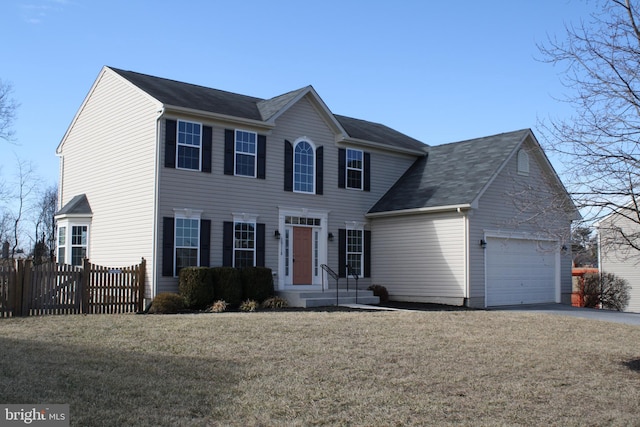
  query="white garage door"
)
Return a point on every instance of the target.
[{"x": 520, "y": 271}]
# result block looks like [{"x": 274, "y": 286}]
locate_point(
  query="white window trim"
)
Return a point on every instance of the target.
[
  {"x": 178, "y": 144},
  {"x": 347, "y": 169},
  {"x": 245, "y": 218},
  {"x": 355, "y": 226},
  {"x": 236, "y": 152},
  {"x": 69, "y": 222},
  {"x": 185, "y": 213},
  {"x": 313, "y": 180}
]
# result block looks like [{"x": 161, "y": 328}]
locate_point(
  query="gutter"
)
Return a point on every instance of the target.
[
  {"x": 381, "y": 146},
  {"x": 220, "y": 117},
  {"x": 417, "y": 211}
]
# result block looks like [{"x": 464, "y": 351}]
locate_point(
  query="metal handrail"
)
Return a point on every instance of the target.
[
  {"x": 355, "y": 276},
  {"x": 333, "y": 274}
]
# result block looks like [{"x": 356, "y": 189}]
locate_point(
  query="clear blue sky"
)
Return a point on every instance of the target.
[{"x": 439, "y": 71}]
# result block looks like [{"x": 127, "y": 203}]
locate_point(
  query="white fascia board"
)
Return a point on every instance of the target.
[
  {"x": 418, "y": 211},
  {"x": 371, "y": 144},
  {"x": 218, "y": 117}
]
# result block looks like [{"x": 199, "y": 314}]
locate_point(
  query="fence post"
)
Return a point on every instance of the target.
[
  {"x": 25, "y": 279},
  {"x": 141, "y": 273},
  {"x": 86, "y": 275},
  {"x": 17, "y": 287}
]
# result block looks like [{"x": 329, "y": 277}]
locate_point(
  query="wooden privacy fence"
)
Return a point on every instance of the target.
[{"x": 30, "y": 290}]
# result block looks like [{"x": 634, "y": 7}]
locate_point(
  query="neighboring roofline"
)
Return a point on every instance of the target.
[
  {"x": 417, "y": 211},
  {"x": 366, "y": 143},
  {"x": 222, "y": 117}
]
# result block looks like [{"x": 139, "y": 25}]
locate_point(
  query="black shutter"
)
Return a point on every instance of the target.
[
  {"x": 170, "y": 131},
  {"x": 262, "y": 156},
  {"x": 288, "y": 166},
  {"x": 367, "y": 253},
  {"x": 227, "y": 244},
  {"x": 260, "y": 244},
  {"x": 342, "y": 252},
  {"x": 205, "y": 242},
  {"x": 367, "y": 172},
  {"x": 319, "y": 169},
  {"x": 342, "y": 167},
  {"x": 207, "y": 144},
  {"x": 229, "y": 151},
  {"x": 167, "y": 245}
]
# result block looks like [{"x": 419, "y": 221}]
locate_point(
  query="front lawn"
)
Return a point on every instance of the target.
[{"x": 325, "y": 368}]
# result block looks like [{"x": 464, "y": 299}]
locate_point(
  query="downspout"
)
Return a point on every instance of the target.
[
  {"x": 465, "y": 224},
  {"x": 154, "y": 284}
]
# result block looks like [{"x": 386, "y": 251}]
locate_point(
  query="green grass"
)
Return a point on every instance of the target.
[{"x": 333, "y": 368}]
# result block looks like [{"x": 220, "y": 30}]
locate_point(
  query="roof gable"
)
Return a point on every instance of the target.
[
  {"x": 453, "y": 174},
  {"x": 79, "y": 205}
]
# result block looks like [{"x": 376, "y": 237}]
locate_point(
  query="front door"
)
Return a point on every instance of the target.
[{"x": 302, "y": 256}]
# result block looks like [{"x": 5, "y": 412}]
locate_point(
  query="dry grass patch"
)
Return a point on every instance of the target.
[{"x": 342, "y": 368}]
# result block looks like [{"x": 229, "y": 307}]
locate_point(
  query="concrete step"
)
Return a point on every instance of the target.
[{"x": 328, "y": 297}]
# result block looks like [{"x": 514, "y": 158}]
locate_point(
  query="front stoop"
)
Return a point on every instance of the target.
[{"x": 309, "y": 299}]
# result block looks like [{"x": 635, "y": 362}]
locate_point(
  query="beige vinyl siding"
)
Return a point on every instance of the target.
[
  {"x": 219, "y": 196},
  {"x": 421, "y": 257},
  {"x": 508, "y": 206},
  {"x": 112, "y": 162},
  {"x": 621, "y": 260}
]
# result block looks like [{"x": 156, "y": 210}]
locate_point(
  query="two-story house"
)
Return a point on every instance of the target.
[{"x": 187, "y": 175}]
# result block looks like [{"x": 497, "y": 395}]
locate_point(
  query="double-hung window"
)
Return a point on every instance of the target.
[
  {"x": 245, "y": 153},
  {"x": 78, "y": 244},
  {"x": 244, "y": 244},
  {"x": 189, "y": 144},
  {"x": 354, "y": 168},
  {"x": 303, "y": 168},
  {"x": 62, "y": 244},
  {"x": 187, "y": 242},
  {"x": 355, "y": 251}
]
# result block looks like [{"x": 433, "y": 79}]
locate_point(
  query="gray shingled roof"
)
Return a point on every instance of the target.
[
  {"x": 376, "y": 132},
  {"x": 79, "y": 205},
  {"x": 451, "y": 174},
  {"x": 179, "y": 94}
]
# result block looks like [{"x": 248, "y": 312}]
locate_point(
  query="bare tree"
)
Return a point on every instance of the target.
[
  {"x": 8, "y": 107},
  {"x": 600, "y": 144},
  {"x": 25, "y": 186},
  {"x": 45, "y": 210}
]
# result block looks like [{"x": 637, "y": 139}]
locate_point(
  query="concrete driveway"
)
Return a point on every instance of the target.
[{"x": 585, "y": 313}]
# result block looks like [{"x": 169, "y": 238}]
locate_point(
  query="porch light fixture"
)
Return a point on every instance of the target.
[
  {"x": 330, "y": 237},
  {"x": 276, "y": 234},
  {"x": 483, "y": 244}
]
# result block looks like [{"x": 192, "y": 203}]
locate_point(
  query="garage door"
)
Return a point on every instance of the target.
[{"x": 520, "y": 271}]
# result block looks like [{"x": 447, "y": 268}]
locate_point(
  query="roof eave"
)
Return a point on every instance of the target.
[
  {"x": 217, "y": 116},
  {"x": 378, "y": 145},
  {"x": 418, "y": 211}
]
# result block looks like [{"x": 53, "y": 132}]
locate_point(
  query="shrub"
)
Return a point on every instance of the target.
[
  {"x": 249, "y": 305},
  {"x": 166, "y": 303},
  {"x": 380, "y": 291},
  {"x": 218, "y": 307},
  {"x": 257, "y": 283},
  {"x": 275, "y": 302},
  {"x": 196, "y": 287},
  {"x": 227, "y": 285},
  {"x": 607, "y": 289}
]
